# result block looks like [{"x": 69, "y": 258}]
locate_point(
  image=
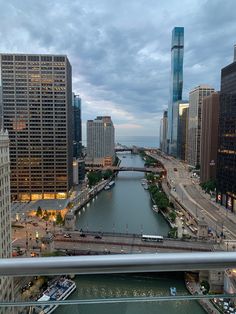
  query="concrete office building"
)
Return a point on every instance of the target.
[
  {"x": 6, "y": 283},
  {"x": 179, "y": 128},
  {"x": 209, "y": 137},
  {"x": 226, "y": 162},
  {"x": 194, "y": 126},
  {"x": 37, "y": 112},
  {"x": 163, "y": 132},
  {"x": 176, "y": 81},
  {"x": 100, "y": 141},
  {"x": 77, "y": 141}
]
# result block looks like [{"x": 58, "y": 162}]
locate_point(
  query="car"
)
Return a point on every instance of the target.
[
  {"x": 67, "y": 235},
  {"x": 175, "y": 169},
  {"x": 98, "y": 236},
  {"x": 83, "y": 235}
]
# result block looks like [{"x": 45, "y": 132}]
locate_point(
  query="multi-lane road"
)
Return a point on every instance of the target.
[{"x": 185, "y": 189}]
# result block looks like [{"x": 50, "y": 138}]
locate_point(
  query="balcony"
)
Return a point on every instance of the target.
[{"x": 105, "y": 269}]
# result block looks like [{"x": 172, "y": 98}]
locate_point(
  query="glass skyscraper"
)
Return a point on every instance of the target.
[
  {"x": 176, "y": 83},
  {"x": 77, "y": 142}
]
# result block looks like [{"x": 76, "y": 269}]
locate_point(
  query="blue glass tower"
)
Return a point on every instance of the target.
[
  {"x": 77, "y": 141},
  {"x": 176, "y": 82}
]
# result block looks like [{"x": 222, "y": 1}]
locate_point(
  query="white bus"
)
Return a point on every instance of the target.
[{"x": 152, "y": 238}]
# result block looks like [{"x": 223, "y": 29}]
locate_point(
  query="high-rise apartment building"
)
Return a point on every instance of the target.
[
  {"x": 37, "y": 112},
  {"x": 6, "y": 283},
  {"x": 176, "y": 81},
  {"x": 163, "y": 132},
  {"x": 77, "y": 141},
  {"x": 179, "y": 128},
  {"x": 209, "y": 137},
  {"x": 101, "y": 140},
  {"x": 194, "y": 126},
  {"x": 226, "y": 162}
]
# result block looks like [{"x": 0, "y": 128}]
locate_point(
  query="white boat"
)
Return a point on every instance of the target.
[
  {"x": 109, "y": 185},
  {"x": 59, "y": 290},
  {"x": 145, "y": 187},
  {"x": 143, "y": 181},
  {"x": 173, "y": 291},
  {"x": 155, "y": 208}
]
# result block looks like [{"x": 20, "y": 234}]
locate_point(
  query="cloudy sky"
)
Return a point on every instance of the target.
[{"x": 120, "y": 49}]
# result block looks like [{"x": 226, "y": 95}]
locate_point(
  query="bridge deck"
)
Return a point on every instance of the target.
[{"x": 118, "y": 243}]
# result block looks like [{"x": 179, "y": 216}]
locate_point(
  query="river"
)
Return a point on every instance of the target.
[{"x": 127, "y": 208}]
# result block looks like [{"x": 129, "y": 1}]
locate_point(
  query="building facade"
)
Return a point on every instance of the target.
[
  {"x": 194, "y": 126},
  {"x": 179, "y": 125},
  {"x": 209, "y": 137},
  {"x": 226, "y": 162},
  {"x": 77, "y": 141},
  {"x": 163, "y": 132},
  {"x": 37, "y": 112},
  {"x": 6, "y": 283},
  {"x": 100, "y": 139},
  {"x": 176, "y": 81}
]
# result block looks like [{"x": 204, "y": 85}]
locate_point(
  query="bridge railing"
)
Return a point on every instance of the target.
[{"x": 117, "y": 264}]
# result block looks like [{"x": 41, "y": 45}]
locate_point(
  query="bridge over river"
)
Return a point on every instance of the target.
[
  {"x": 127, "y": 243},
  {"x": 117, "y": 169}
]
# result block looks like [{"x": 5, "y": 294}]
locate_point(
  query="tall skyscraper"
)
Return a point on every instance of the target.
[
  {"x": 226, "y": 163},
  {"x": 100, "y": 140},
  {"x": 209, "y": 137},
  {"x": 178, "y": 133},
  {"x": 77, "y": 142},
  {"x": 37, "y": 112},
  {"x": 163, "y": 132},
  {"x": 176, "y": 81},
  {"x": 6, "y": 283},
  {"x": 194, "y": 126}
]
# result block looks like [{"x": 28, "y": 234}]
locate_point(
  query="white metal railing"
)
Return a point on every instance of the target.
[{"x": 124, "y": 263}]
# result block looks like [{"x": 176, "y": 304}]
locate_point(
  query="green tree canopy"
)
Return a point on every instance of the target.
[{"x": 39, "y": 212}]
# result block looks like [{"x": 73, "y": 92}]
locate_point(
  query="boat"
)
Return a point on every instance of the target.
[
  {"x": 109, "y": 185},
  {"x": 143, "y": 181},
  {"x": 155, "y": 208},
  {"x": 145, "y": 186},
  {"x": 173, "y": 291},
  {"x": 60, "y": 289}
]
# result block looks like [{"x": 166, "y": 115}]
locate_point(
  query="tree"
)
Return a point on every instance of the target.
[
  {"x": 206, "y": 286},
  {"x": 39, "y": 212},
  {"x": 172, "y": 216},
  {"x": 150, "y": 177},
  {"x": 59, "y": 219},
  {"x": 46, "y": 215},
  {"x": 173, "y": 233},
  {"x": 107, "y": 174},
  {"x": 94, "y": 177}
]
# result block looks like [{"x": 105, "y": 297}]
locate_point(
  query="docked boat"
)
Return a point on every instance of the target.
[
  {"x": 155, "y": 208},
  {"x": 59, "y": 290},
  {"x": 173, "y": 291},
  {"x": 143, "y": 181},
  {"x": 109, "y": 185},
  {"x": 145, "y": 186}
]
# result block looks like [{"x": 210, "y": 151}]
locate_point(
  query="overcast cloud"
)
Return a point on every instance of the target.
[{"x": 120, "y": 50}]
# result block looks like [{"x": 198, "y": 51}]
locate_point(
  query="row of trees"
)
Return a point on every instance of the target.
[
  {"x": 95, "y": 176},
  {"x": 159, "y": 197},
  {"x": 209, "y": 186},
  {"x": 45, "y": 215}
]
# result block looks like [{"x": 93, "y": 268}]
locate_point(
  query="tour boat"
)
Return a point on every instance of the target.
[
  {"x": 155, "y": 208},
  {"x": 58, "y": 290}
]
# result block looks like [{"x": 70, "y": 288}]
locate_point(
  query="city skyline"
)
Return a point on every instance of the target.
[{"x": 121, "y": 64}]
